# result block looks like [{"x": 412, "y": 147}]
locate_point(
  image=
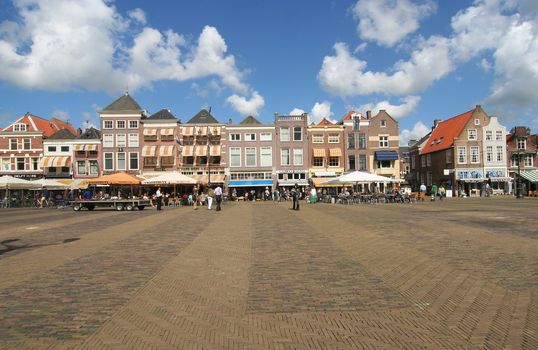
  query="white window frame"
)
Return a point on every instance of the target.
[
  {"x": 381, "y": 162},
  {"x": 489, "y": 153},
  {"x": 462, "y": 155},
  {"x": 108, "y": 143},
  {"x": 133, "y": 140},
  {"x": 314, "y": 162},
  {"x": 118, "y": 124},
  {"x": 472, "y": 135},
  {"x": 474, "y": 153},
  {"x": 333, "y": 138},
  {"x": 51, "y": 148},
  {"x": 90, "y": 167},
  {"x": 528, "y": 160},
  {"x": 489, "y": 135},
  {"x": 282, "y": 155},
  {"x": 235, "y": 135},
  {"x": 137, "y": 161},
  {"x": 282, "y": 134},
  {"x": 266, "y": 156},
  {"x": 133, "y": 127},
  {"x": 317, "y": 138},
  {"x": 13, "y": 142},
  {"x": 118, "y": 160},
  {"x": 78, "y": 167},
  {"x": 477, "y": 122},
  {"x": 523, "y": 142},
  {"x": 238, "y": 155},
  {"x": 500, "y": 153},
  {"x": 300, "y": 133},
  {"x": 383, "y": 142},
  {"x": 5, "y": 164},
  {"x": 110, "y": 122},
  {"x": 248, "y": 152},
  {"x": 383, "y": 123},
  {"x": 20, "y": 127},
  {"x": 250, "y": 137},
  {"x": 120, "y": 143},
  {"x": 337, "y": 163},
  {"x": 105, "y": 159},
  {"x": 24, "y": 143},
  {"x": 498, "y": 135},
  {"x": 297, "y": 152},
  {"x": 514, "y": 160},
  {"x": 266, "y": 136}
]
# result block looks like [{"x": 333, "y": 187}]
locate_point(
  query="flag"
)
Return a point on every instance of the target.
[{"x": 178, "y": 141}]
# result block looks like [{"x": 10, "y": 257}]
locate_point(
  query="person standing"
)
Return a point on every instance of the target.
[
  {"x": 210, "y": 193},
  {"x": 295, "y": 196},
  {"x": 218, "y": 196},
  {"x": 159, "y": 197},
  {"x": 434, "y": 192},
  {"x": 422, "y": 191}
]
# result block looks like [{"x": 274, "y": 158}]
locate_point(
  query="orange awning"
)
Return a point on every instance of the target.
[
  {"x": 335, "y": 152},
  {"x": 90, "y": 147},
  {"x": 214, "y": 150},
  {"x": 48, "y": 162},
  {"x": 149, "y": 151},
  {"x": 78, "y": 148},
  {"x": 150, "y": 132},
  {"x": 116, "y": 179},
  {"x": 201, "y": 151},
  {"x": 187, "y": 130},
  {"x": 188, "y": 151},
  {"x": 201, "y": 130},
  {"x": 215, "y": 178},
  {"x": 215, "y": 130},
  {"x": 166, "y": 151},
  {"x": 167, "y": 132},
  {"x": 319, "y": 152}
]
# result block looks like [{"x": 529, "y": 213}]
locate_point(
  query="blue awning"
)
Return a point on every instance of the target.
[
  {"x": 250, "y": 183},
  {"x": 386, "y": 155}
]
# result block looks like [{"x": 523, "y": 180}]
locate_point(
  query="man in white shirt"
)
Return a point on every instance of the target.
[
  {"x": 422, "y": 192},
  {"x": 159, "y": 197},
  {"x": 218, "y": 196}
]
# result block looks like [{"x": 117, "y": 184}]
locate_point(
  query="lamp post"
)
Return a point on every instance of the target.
[
  {"x": 208, "y": 154},
  {"x": 519, "y": 149}
]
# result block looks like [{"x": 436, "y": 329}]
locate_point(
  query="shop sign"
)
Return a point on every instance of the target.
[{"x": 469, "y": 174}]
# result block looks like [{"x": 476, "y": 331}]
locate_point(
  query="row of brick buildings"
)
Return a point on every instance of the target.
[{"x": 247, "y": 155}]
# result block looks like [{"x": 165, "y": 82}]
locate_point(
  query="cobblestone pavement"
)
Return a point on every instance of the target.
[{"x": 457, "y": 274}]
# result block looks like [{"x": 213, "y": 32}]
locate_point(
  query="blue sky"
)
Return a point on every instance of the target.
[{"x": 419, "y": 60}]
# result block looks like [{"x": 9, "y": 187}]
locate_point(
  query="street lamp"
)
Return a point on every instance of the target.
[
  {"x": 208, "y": 154},
  {"x": 519, "y": 150}
]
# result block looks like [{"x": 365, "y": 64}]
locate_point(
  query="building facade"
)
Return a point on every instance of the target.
[
  {"x": 57, "y": 161},
  {"x": 160, "y": 149},
  {"x": 327, "y": 151},
  {"x": 86, "y": 154},
  {"x": 291, "y": 150},
  {"x": 522, "y": 153}
]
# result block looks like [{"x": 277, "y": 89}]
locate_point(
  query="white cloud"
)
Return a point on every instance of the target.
[
  {"x": 62, "y": 115},
  {"x": 296, "y": 111},
  {"x": 388, "y": 21},
  {"x": 408, "y": 105},
  {"x": 320, "y": 111},
  {"x": 360, "y": 48},
  {"x": 60, "y": 45},
  {"x": 485, "y": 65},
  {"x": 138, "y": 15},
  {"x": 418, "y": 131},
  {"x": 246, "y": 106}
]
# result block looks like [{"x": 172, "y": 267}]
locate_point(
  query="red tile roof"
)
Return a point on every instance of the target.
[
  {"x": 324, "y": 121},
  {"x": 38, "y": 124},
  {"x": 442, "y": 137}
]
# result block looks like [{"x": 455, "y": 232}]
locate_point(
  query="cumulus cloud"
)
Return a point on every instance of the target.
[
  {"x": 418, "y": 131},
  {"x": 246, "y": 106},
  {"x": 60, "y": 45},
  {"x": 320, "y": 111},
  {"x": 388, "y": 21},
  {"x": 296, "y": 111},
  {"x": 408, "y": 105}
]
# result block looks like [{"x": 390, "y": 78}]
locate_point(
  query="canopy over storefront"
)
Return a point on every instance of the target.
[
  {"x": 530, "y": 175},
  {"x": 290, "y": 183},
  {"x": 120, "y": 178},
  {"x": 50, "y": 184},
  {"x": 215, "y": 178},
  {"x": 170, "y": 178},
  {"x": 13, "y": 183},
  {"x": 327, "y": 182},
  {"x": 386, "y": 155},
  {"x": 361, "y": 177},
  {"x": 250, "y": 183}
]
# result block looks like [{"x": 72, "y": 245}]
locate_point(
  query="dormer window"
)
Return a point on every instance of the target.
[
  {"x": 19, "y": 127},
  {"x": 383, "y": 123},
  {"x": 477, "y": 122}
]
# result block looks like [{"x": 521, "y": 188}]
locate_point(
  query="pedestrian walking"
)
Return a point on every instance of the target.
[
  {"x": 295, "y": 196},
  {"x": 159, "y": 197},
  {"x": 218, "y": 196},
  {"x": 210, "y": 193},
  {"x": 434, "y": 192},
  {"x": 422, "y": 192}
]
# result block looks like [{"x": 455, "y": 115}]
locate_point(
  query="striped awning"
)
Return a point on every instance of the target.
[
  {"x": 150, "y": 132},
  {"x": 187, "y": 130},
  {"x": 215, "y": 130},
  {"x": 166, "y": 151},
  {"x": 335, "y": 152},
  {"x": 319, "y": 152},
  {"x": 78, "y": 148},
  {"x": 149, "y": 151},
  {"x": 215, "y": 178},
  {"x": 188, "y": 151},
  {"x": 48, "y": 162},
  {"x": 214, "y": 150},
  {"x": 167, "y": 132},
  {"x": 201, "y": 130},
  {"x": 530, "y": 175},
  {"x": 90, "y": 147},
  {"x": 201, "y": 151}
]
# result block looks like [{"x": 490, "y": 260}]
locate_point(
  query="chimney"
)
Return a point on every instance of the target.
[
  {"x": 229, "y": 121},
  {"x": 368, "y": 114},
  {"x": 79, "y": 131},
  {"x": 435, "y": 123}
]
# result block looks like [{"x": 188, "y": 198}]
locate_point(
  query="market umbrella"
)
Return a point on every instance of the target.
[
  {"x": 115, "y": 179},
  {"x": 13, "y": 183},
  {"x": 170, "y": 178},
  {"x": 50, "y": 184}
]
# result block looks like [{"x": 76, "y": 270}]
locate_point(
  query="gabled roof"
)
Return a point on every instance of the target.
[
  {"x": 442, "y": 137},
  {"x": 382, "y": 113},
  {"x": 203, "y": 117},
  {"x": 89, "y": 134},
  {"x": 163, "y": 114},
  {"x": 38, "y": 124},
  {"x": 324, "y": 121},
  {"x": 60, "y": 124},
  {"x": 62, "y": 134},
  {"x": 250, "y": 120},
  {"x": 350, "y": 115},
  {"x": 124, "y": 103}
]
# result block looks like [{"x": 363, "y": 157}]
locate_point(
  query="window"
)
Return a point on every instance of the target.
[
  {"x": 489, "y": 135},
  {"x": 20, "y": 164},
  {"x": 250, "y": 156},
  {"x": 152, "y": 161},
  {"x": 489, "y": 153},
  {"x": 250, "y": 137},
  {"x": 318, "y": 162},
  {"x": 413, "y": 161},
  {"x": 19, "y": 127},
  {"x": 6, "y": 164},
  {"x": 13, "y": 144},
  {"x": 334, "y": 161},
  {"x": 471, "y": 134},
  {"x": 362, "y": 141},
  {"x": 297, "y": 156},
  {"x": 383, "y": 123},
  {"x": 384, "y": 164},
  {"x": 428, "y": 159},
  {"x": 121, "y": 140},
  {"x": 462, "y": 155},
  {"x": 317, "y": 138},
  {"x": 474, "y": 154},
  {"x": 120, "y": 124},
  {"x": 108, "y": 140},
  {"x": 168, "y": 161},
  {"x": 109, "y": 161},
  {"x": 108, "y": 124},
  {"x": 235, "y": 156},
  {"x": 81, "y": 167},
  {"x": 235, "y": 137},
  {"x": 521, "y": 144},
  {"x": 133, "y": 160},
  {"x": 266, "y": 136},
  {"x": 362, "y": 162},
  {"x": 26, "y": 144},
  {"x": 94, "y": 167},
  {"x": 133, "y": 140},
  {"x": 500, "y": 152},
  {"x": 35, "y": 164},
  {"x": 284, "y": 134},
  {"x": 266, "y": 156},
  {"x": 423, "y": 161},
  {"x": 64, "y": 148},
  {"x": 350, "y": 141},
  {"x": 333, "y": 138},
  {"x": 351, "y": 161},
  {"x": 133, "y": 124},
  {"x": 477, "y": 122},
  {"x": 514, "y": 160},
  {"x": 528, "y": 160},
  {"x": 498, "y": 135},
  {"x": 51, "y": 148},
  {"x": 121, "y": 161},
  {"x": 297, "y": 133},
  {"x": 285, "y": 156},
  {"x": 449, "y": 155},
  {"x": 383, "y": 141}
]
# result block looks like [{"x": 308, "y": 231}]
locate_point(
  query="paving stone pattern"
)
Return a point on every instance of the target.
[{"x": 448, "y": 275}]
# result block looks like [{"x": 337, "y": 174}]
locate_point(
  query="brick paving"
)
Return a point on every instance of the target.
[{"x": 458, "y": 274}]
